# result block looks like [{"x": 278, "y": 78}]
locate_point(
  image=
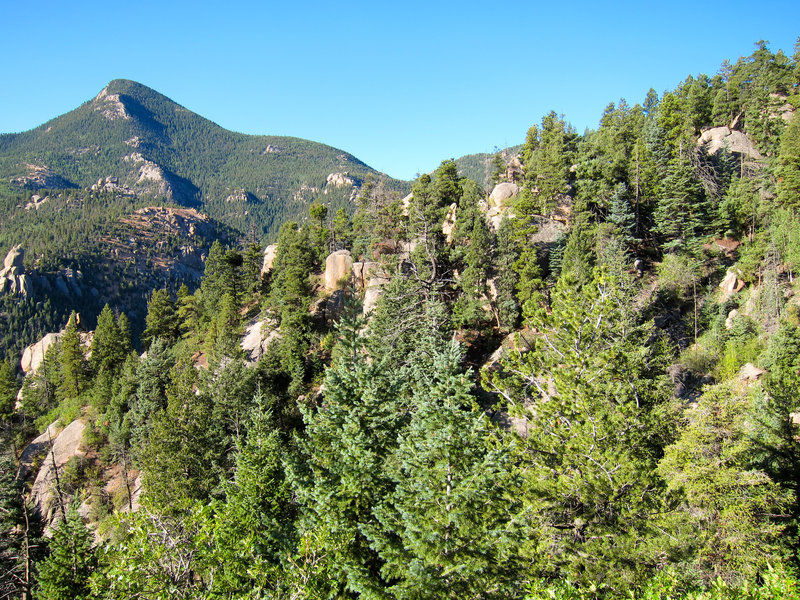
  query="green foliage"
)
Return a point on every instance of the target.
[
  {"x": 788, "y": 168},
  {"x": 65, "y": 573},
  {"x": 546, "y": 157},
  {"x": 723, "y": 521},
  {"x": 447, "y": 530},
  {"x": 592, "y": 396}
]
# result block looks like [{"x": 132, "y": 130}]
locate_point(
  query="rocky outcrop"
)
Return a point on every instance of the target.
[
  {"x": 731, "y": 284},
  {"x": 13, "y": 279},
  {"x": 270, "y": 252},
  {"x": 33, "y": 451},
  {"x": 717, "y": 138},
  {"x": 65, "y": 446},
  {"x": 370, "y": 278},
  {"x": 36, "y": 202},
  {"x": 499, "y": 204},
  {"x": 111, "y": 184},
  {"x": 338, "y": 266},
  {"x": 33, "y": 355},
  {"x": 501, "y": 193},
  {"x": 449, "y": 223},
  {"x": 340, "y": 180},
  {"x": 254, "y": 342},
  {"x": 41, "y": 177},
  {"x": 110, "y": 106},
  {"x": 13, "y": 259}
]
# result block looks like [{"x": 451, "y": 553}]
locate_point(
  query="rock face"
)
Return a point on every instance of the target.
[
  {"x": 13, "y": 279},
  {"x": 13, "y": 259},
  {"x": 338, "y": 265},
  {"x": 731, "y": 283},
  {"x": 371, "y": 279},
  {"x": 254, "y": 343},
  {"x": 36, "y": 448},
  {"x": 449, "y": 223},
  {"x": 501, "y": 193},
  {"x": 723, "y": 137},
  {"x": 269, "y": 258},
  {"x": 65, "y": 446},
  {"x": 33, "y": 355},
  {"x": 340, "y": 180}
]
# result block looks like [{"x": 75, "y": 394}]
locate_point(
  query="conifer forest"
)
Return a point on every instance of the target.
[{"x": 566, "y": 370}]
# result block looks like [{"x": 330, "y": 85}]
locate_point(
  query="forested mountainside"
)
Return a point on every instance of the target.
[
  {"x": 80, "y": 195},
  {"x": 133, "y": 141},
  {"x": 580, "y": 385}
]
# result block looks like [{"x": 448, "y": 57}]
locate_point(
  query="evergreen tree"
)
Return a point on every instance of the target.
[
  {"x": 447, "y": 530},
  {"x": 161, "y": 320},
  {"x": 591, "y": 391},
  {"x": 722, "y": 524},
  {"x": 473, "y": 251},
  {"x": 507, "y": 279},
  {"x": 681, "y": 213},
  {"x": 546, "y": 158},
  {"x": 182, "y": 458},
  {"x": 14, "y": 543},
  {"x": 72, "y": 366},
  {"x": 348, "y": 439},
  {"x": 788, "y": 169},
  {"x": 8, "y": 391},
  {"x": 64, "y": 574}
]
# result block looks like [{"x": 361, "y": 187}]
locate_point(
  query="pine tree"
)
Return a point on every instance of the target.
[
  {"x": 507, "y": 279},
  {"x": 788, "y": 169},
  {"x": 348, "y": 439},
  {"x": 64, "y": 574},
  {"x": 447, "y": 530},
  {"x": 681, "y": 214},
  {"x": 546, "y": 157},
  {"x": 161, "y": 320},
  {"x": 723, "y": 523},
  {"x": 8, "y": 391},
  {"x": 14, "y": 544},
  {"x": 473, "y": 251},
  {"x": 72, "y": 362},
  {"x": 591, "y": 391}
]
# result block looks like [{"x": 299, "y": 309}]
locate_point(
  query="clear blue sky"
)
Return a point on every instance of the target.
[{"x": 401, "y": 85}]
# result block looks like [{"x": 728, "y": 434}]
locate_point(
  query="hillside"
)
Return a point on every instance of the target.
[
  {"x": 581, "y": 384},
  {"x": 132, "y": 140}
]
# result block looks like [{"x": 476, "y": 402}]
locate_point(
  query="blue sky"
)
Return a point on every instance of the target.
[{"x": 402, "y": 85}]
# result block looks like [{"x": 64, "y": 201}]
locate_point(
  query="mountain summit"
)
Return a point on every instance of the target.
[{"x": 130, "y": 139}]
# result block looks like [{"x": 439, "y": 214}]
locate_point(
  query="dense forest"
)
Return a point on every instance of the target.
[{"x": 580, "y": 385}]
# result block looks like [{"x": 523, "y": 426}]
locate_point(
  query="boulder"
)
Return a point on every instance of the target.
[
  {"x": 750, "y": 372},
  {"x": 254, "y": 343},
  {"x": 65, "y": 446},
  {"x": 14, "y": 258},
  {"x": 502, "y": 192},
  {"x": 33, "y": 355},
  {"x": 731, "y": 283},
  {"x": 449, "y": 223},
  {"x": 36, "y": 448},
  {"x": 730, "y": 319},
  {"x": 338, "y": 266},
  {"x": 716, "y": 138},
  {"x": 269, "y": 258}
]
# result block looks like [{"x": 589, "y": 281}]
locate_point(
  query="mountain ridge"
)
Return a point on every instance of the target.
[{"x": 128, "y": 127}]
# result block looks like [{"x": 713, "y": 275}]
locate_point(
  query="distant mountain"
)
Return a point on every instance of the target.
[
  {"x": 130, "y": 140},
  {"x": 479, "y": 167}
]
